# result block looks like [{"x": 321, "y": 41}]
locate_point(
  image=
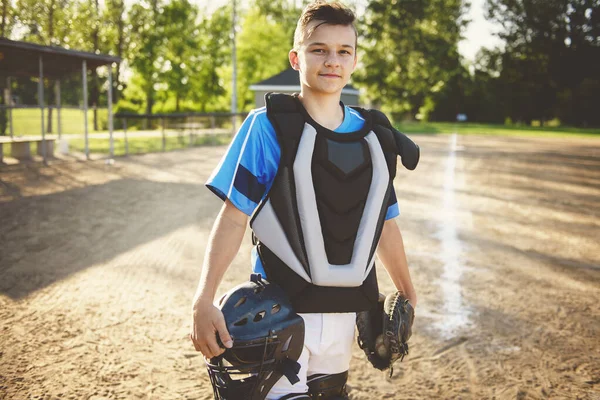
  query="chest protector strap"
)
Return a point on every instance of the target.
[{"x": 318, "y": 227}]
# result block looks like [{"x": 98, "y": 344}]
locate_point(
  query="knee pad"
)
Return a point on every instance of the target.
[{"x": 328, "y": 387}]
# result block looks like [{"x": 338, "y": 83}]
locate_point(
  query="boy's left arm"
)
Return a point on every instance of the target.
[{"x": 391, "y": 253}]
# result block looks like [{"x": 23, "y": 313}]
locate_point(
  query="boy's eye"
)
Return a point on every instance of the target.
[{"x": 318, "y": 51}]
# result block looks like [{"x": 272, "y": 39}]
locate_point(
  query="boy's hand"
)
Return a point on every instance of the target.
[{"x": 207, "y": 322}]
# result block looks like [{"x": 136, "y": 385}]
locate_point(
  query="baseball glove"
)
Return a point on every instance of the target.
[{"x": 383, "y": 331}]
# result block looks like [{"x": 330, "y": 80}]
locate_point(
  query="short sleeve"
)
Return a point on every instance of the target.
[
  {"x": 246, "y": 170},
  {"x": 393, "y": 210}
]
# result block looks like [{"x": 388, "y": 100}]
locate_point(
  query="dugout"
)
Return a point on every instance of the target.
[
  {"x": 24, "y": 59},
  {"x": 288, "y": 82}
]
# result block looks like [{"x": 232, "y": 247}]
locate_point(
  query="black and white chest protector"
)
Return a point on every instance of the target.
[{"x": 318, "y": 227}]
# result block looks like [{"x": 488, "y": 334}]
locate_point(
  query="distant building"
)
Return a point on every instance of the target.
[{"x": 288, "y": 81}]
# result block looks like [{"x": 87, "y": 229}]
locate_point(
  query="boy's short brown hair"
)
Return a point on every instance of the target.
[{"x": 334, "y": 13}]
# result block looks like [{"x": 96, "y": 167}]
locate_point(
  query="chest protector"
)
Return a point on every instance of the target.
[{"x": 318, "y": 227}]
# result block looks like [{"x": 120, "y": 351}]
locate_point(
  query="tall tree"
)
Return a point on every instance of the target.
[
  {"x": 549, "y": 63},
  {"x": 46, "y": 22},
  {"x": 181, "y": 31},
  {"x": 283, "y": 12},
  {"x": 147, "y": 26},
  {"x": 7, "y": 18},
  {"x": 214, "y": 56},
  {"x": 262, "y": 52},
  {"x": 409, "y": 51},
  {"x": 116, "y": 35}
]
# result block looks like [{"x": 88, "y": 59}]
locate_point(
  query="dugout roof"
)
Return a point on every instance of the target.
[
  {"x": 22, "y": 59},
  {"x": 289, "y": 79}
]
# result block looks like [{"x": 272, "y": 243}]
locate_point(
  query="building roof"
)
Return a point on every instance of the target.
[
  {"x": 22, "y": 59},
  {"x": 289, "y": 80}
]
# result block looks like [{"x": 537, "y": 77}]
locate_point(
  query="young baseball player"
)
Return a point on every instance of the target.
[{"x": 316, "y": 177}]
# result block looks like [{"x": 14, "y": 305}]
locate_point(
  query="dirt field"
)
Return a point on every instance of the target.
[{"x": 98, "y": 265}]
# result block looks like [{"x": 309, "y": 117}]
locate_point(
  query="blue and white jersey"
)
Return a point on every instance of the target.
[{"x": 247, "y": 170}]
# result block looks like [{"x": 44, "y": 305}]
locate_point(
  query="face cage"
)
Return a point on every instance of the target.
[{"x": 226, "y": 388}]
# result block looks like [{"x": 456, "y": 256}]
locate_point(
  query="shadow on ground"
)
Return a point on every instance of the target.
[{"x": 82, "y": 227}]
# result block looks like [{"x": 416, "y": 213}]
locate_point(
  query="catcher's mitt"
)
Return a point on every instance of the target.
[{"x": 383, "y": 331}]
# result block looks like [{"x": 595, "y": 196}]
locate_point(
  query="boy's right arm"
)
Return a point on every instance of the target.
[{"x": 223, "y": 245}]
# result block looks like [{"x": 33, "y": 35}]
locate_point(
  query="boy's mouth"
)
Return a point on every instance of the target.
[{"x": 330, "y": 75}]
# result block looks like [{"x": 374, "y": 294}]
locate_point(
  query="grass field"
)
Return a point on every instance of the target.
[
  {"x": 490, "y": 129},
  {"x": 139, "y": 145},
  {"x": 27, "y": 122},
  {"x": 136, "y": 145}
]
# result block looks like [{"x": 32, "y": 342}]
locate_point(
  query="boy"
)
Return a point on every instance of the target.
[{"x": 317, "y": 242}]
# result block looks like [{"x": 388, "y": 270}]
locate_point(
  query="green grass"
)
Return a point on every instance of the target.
[
  {"x": 73, "y": 123},
  {"x": 136, "y": 145},
  {"x": 490, "y": 129},
  {"x": 140, "y": 145},
  {"x": 28, "y": 121}
]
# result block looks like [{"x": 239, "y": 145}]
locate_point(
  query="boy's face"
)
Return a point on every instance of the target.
[{"x": 326, "y": 59}]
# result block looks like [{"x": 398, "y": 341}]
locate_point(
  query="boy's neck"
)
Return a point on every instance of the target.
[{"x": 325, "y": 110}]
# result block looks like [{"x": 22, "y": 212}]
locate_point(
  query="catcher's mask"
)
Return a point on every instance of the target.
[{"x": 268, "y": 337}]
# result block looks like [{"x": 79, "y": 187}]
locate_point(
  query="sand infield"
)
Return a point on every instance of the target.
[{"x": 98, "y": 264}]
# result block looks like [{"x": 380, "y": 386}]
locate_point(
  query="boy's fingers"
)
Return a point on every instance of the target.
[
  {"x": 223, "y": 333},
  {"x": 196, "y": 346},
  {"x": 214, "y": 349},
  {"x": 206, "y": 352}
]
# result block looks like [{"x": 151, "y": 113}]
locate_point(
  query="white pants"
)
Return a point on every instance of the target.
[{"x": 327, "y": 349}]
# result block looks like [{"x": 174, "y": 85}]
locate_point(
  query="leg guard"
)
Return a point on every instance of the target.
[{"x": 330, "y": 387}]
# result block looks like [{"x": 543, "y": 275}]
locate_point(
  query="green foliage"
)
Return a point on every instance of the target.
[
  {"x": 208, "y": 87},
  {"x": 45, "y": 21},
  {"x": 408, "y": 51},
  {"x": 262, "y": 52},
  {"x": 178, "y": 63},
  {"x": 284, "y": 13},
  {"x": 549, "y": 67},
  {"x": 8, "y": 18}
]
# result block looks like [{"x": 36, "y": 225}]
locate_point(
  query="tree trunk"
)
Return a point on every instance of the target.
[
  {"x": 4, "y": 12},
  {"x": 120, "y": 43},
  {"x": 149, "y": 98}
]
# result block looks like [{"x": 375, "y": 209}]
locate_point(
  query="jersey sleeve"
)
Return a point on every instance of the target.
[
  {"x": 244, "y": 173},
  {"x": 393, "y": 210}
]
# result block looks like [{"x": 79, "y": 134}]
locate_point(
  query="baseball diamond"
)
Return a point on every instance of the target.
[{"x": 98, "y": 263}]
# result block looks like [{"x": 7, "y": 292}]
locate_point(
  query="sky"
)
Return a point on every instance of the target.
[{"x": 478, "y": 34}]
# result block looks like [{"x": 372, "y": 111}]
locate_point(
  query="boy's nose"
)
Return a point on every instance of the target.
[{"x": 332, "y": 61}]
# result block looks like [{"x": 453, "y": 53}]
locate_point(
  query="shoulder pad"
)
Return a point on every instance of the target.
[
  {"x": 280, "y": 103},
  {"x": 408, "y": 150}
]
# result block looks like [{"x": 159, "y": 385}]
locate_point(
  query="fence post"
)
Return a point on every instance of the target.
[
  {"x": 125, "y": 135},
  {"x": 164, "y": 138},
  {"x": 191, "y": 142}
]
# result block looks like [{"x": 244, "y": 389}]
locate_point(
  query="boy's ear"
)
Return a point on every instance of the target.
[{"x": 294, "y": 60}]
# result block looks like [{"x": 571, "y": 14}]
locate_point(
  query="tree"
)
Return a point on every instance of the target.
[
  {"x": 548, "y": 66},
  {"x": 208, "y": 86},
  {"x": 409, "y": 51},
  {"x": 46, "y": 22},
  {"x": 262, "y": 52},
  {"x": 147, "y": 26},
  {"x": 284, "y": 12},
  {"x": 116, "y": 35},
  {"x": 7, "y": 18},
  {"x": 181, "y": 31}
]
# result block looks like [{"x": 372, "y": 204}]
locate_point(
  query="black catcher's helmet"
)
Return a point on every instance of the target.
[{"x": 268, "y": 337}]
